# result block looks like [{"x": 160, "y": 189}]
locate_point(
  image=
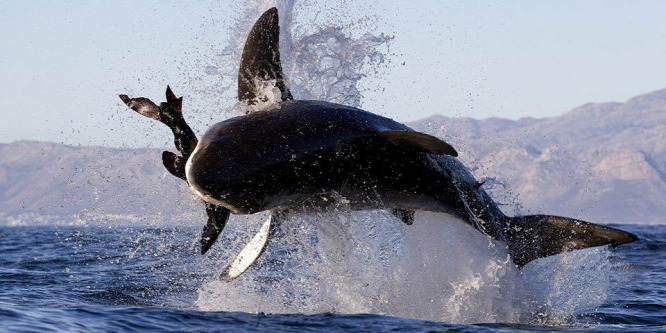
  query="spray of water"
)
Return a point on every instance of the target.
[
  {"x": 325, "y": 64},
  {"x": 369, "y": 262},
  {"x": 341, "y": 261}
]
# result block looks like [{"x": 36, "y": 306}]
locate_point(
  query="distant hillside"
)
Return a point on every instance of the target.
[
  {"x": 40, "y": 179},
  {"x": 601, "y": 162}
]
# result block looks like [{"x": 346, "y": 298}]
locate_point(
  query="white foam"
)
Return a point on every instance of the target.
[
  {"x": 369, "y": 262},
  {"x": 268, "y": 97},
  {"x": 440, "y": 268},
  {"x": 563, "y": 285}
]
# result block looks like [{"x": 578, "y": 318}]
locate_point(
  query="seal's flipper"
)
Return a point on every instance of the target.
[
  {"x": 420, "y": 141},
  {"x": 537, "y": 236},
  {"x": 405, "y": 215},
  {"x": 142, "y": 106},
  {"x": 260, "y": 62},
  {"x": 169, "y": 113},
  {"x": 252, "y": 250},
  {"x": 174, "y": 164},
  {"x": 176, "y": 103},
  {"x": 217, "y": 219}
]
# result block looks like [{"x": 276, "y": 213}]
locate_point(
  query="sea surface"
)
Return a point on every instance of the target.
[{"x": 143, "y": 279}]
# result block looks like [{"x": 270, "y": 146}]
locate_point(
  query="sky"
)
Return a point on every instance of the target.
[{"x": 63, "y": 63}]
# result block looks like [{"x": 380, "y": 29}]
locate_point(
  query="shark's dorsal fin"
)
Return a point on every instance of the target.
[
  {"x": 420, "y": 141},
  {"x": 260, "y": 68}
]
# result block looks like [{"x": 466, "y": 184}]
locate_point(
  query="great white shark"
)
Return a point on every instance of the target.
[{"x": 287, "y": 154}]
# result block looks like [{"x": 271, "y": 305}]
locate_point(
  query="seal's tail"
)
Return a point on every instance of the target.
[{"x": 536, "y": 236}]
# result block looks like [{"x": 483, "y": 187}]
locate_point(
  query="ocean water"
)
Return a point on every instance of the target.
[{"x": 315, "y": 277}]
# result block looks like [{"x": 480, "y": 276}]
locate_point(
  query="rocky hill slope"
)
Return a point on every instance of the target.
[{"x": 604, "y": 162}]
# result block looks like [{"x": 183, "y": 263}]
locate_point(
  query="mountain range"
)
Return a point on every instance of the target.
[{"x": 602, "y": 162}]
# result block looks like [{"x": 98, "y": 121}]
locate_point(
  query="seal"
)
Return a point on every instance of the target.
[{"x": 287, "y": 155}]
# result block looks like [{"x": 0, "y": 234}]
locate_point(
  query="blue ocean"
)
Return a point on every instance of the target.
[{"x": 137, "y": 278}]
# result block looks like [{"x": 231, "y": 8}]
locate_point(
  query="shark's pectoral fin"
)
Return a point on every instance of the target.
[
  {"x": 537, "y": 236},
  {"x": 217, "y": 219},
  {"x": 420, "y": 141},
  {"x": 405, "y": 215},
  {"x": 252, "y": 250},
  {"x": 174, "y": 164}
]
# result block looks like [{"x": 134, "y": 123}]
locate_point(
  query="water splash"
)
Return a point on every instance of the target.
[
  {"x": 370, "y": 262},
  {"x": 571, "y": 283},
  {"x": 324, "y": 63},
  {"x": 440, "y": 268}
]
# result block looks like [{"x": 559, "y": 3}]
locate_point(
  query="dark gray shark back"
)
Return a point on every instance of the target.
[
  {"x": 301, "y": 125},
  {"x": 300, "y": 140}
]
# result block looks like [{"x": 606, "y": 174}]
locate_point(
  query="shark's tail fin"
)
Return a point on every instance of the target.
[{"x": 536, "y": 236}]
